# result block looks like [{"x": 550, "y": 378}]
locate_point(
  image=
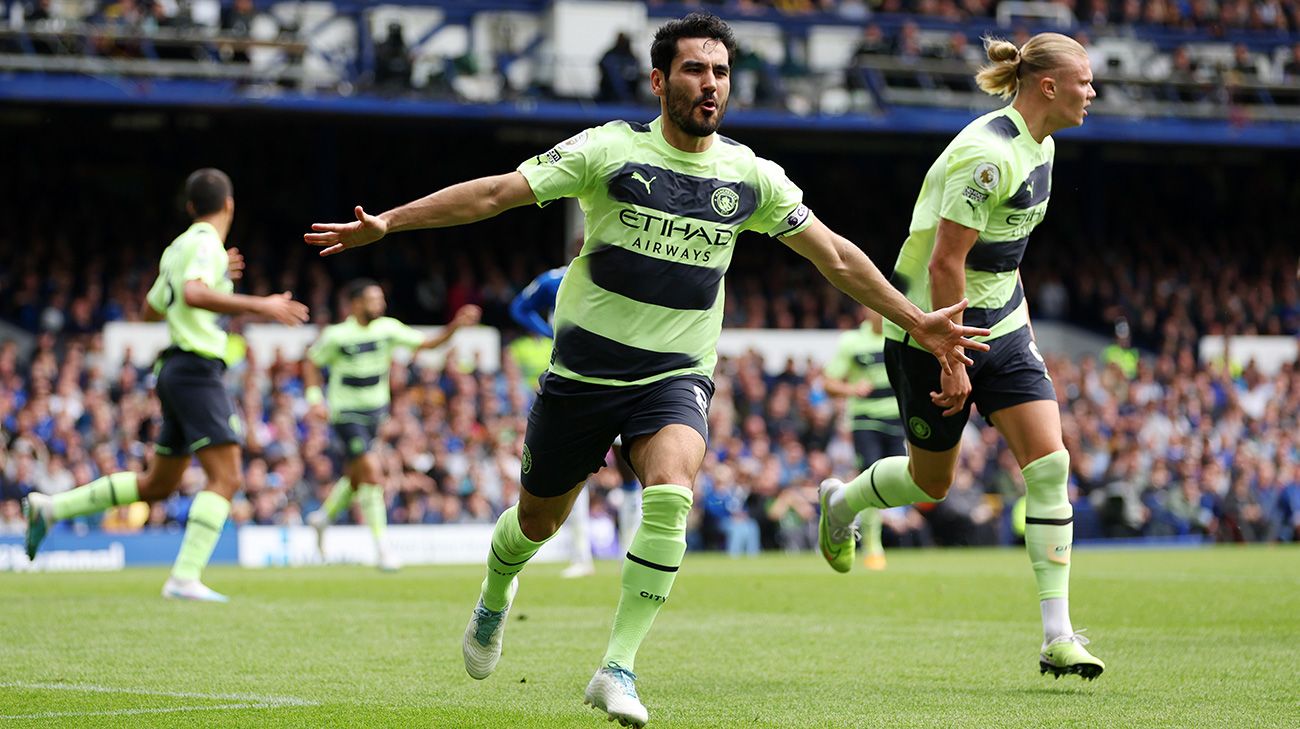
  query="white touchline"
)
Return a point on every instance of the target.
[
  {"x": 127, "y": 712},
  {"x": 248, "y": 701}
]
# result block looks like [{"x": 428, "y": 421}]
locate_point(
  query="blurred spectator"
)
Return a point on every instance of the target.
[
  {"x": 1291, "y": 67},
  {"x": 393, "y": 62},
  {"x": 1120, "y": 352},
  {"x": 237, "y": 18},
  {"x": 963, "y": 518},
  {"x": 620, "y": 72}
]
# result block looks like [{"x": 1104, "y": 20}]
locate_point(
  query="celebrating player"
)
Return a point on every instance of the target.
[
  {"x": 857, "y": 372},
  {"x": 980, "y": 201},
  {"x": 359, "y": 353},
  {"x": 194, "y": 287}
]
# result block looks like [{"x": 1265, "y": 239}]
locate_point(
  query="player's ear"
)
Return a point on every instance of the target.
[
  {"x": 229, "y": 207},
  {"x": 189, "y": 210},
  {"x": 657, "y": 81},
  {"x": 1047, "y": 85}
]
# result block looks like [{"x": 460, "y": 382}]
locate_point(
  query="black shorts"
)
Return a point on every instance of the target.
[
  {"x": 573, "y": 424},
  {"x": 356, "y": 432},
  {"x": 1010, "y": 373},
  {"x": 197, "y": 411},
  {"x": 873, "y": 445}
]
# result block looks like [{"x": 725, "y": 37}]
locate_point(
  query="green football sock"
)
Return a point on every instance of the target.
[
  {"x": 373, "y": 509},
  {"x": 885, "y": 484},
  {"x": 338, "y": 500},
  {"x": 511, "y": 550},
  {"x": 649, "y": 569},
  {"x": 871, "y": 532},
  {"x": 102, "y": 494},
  {"x": 1049, "y": 523},
  {"x": 207, "y": 518}
]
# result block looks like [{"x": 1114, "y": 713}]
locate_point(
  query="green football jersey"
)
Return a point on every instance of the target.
[
  {"x": 196, "y": 255},
  {"x": 995, "y": 178},
  {"x": 860, "y": 357},
  {"x": 643, "y": 300},
  {"x": 359, "y": 358}
]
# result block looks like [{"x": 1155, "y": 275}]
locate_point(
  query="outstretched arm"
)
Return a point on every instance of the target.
[
  {"x": 277, "y": 307},
  {"x": 465, "y": 202},
  {"x": 844, "y": 388},
  {"x": 851, "y": 271},
  {"x": 466, "y": 316}
]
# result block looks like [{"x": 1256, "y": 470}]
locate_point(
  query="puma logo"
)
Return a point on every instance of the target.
[{"x": 641, "y": 179}]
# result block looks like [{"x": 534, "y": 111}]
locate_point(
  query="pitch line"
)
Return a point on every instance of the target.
[{"x": 246, "y": 701}]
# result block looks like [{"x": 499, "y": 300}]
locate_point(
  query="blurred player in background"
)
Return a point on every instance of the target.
[
  {"x": 359, "y": 354},
  {"x": 637, "y": 321},
  {"x": 857, "y": 372},
  {"x": 532, "y": 309},
  {"x": 980, "y": 201},
  {"x": 194, "y": 289}
]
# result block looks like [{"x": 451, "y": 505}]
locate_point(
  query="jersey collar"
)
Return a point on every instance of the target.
[
  {"x": 1021, "y": 125},
  {"x": 657, "y": 137},
  {"x": 198, "y": 225}
]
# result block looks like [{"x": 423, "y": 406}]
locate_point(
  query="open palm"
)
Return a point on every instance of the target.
[
  {"x": 338, "y": 237},
  {"x": 945, "y": 339}
]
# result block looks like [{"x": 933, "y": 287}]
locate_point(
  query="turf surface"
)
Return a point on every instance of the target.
[{"x": 1191, "y": 638}]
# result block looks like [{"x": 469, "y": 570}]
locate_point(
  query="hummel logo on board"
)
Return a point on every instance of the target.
[{"x": 641, "y": 179}]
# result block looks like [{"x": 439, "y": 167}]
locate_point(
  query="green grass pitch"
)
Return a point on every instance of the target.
[{"x": 1191, "y": 638}]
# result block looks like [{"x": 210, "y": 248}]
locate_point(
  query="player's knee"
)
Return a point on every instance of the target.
[
  {"x": 151, "y": 487},
  {"x": 934, "y": 486},
  {"x": 677, "y": 476},
  {"x": 226, "y": 485},
  {"x": 539, "y": 526}
]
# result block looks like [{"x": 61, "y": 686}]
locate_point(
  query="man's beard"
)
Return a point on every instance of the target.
[{"x": 681, "y": 110}]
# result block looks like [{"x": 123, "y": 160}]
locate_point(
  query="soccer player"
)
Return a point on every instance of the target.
[
  {"x": 194, "y": 289},
  {"x": 637, "y": 321},
  {"x": 980, "y": 201},
  {"x": 359, "y": 354},
  {"x": 858, "y": 372}
]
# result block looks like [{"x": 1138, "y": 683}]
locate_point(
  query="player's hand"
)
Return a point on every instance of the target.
[
  {"x": 318, "y": 412},
  {"x": 863, "y": 389},
  {"x": 945, "y": 339},
  {"x": 282, "y": 308},
  {"x": 466, "y": 316},
  {"x": 956, "y": 388},
  {"x": 339, "y": 237},
  {"x": 234, "y": 264}
]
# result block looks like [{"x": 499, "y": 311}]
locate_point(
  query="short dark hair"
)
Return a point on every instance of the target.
[
  {"x": 206, "y": 191},
  {"x": 695, "y": 25},
  {"x": 357, "y": 289}
]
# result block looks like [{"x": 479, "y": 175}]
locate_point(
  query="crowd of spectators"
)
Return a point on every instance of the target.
[
  {"x": 1190, "y": 73},
  {"x": 1170, "y": 292},
  {"x": 1277, "y": 15},
  {"x": 1179, "y": 448}
]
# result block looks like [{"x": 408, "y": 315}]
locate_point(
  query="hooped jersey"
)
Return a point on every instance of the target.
[
  {"x": 995, "y": 178},
  {"x": 643, "y": 300}
]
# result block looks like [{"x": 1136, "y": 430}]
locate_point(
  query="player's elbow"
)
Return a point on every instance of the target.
[
  {"x": 497, "y": 195},
  {"x": 195, "y": 294},
  {"x": 944, "y": 268}
]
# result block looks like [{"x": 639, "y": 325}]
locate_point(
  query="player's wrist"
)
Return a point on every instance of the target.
[{"x": 314, "y": 395}]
